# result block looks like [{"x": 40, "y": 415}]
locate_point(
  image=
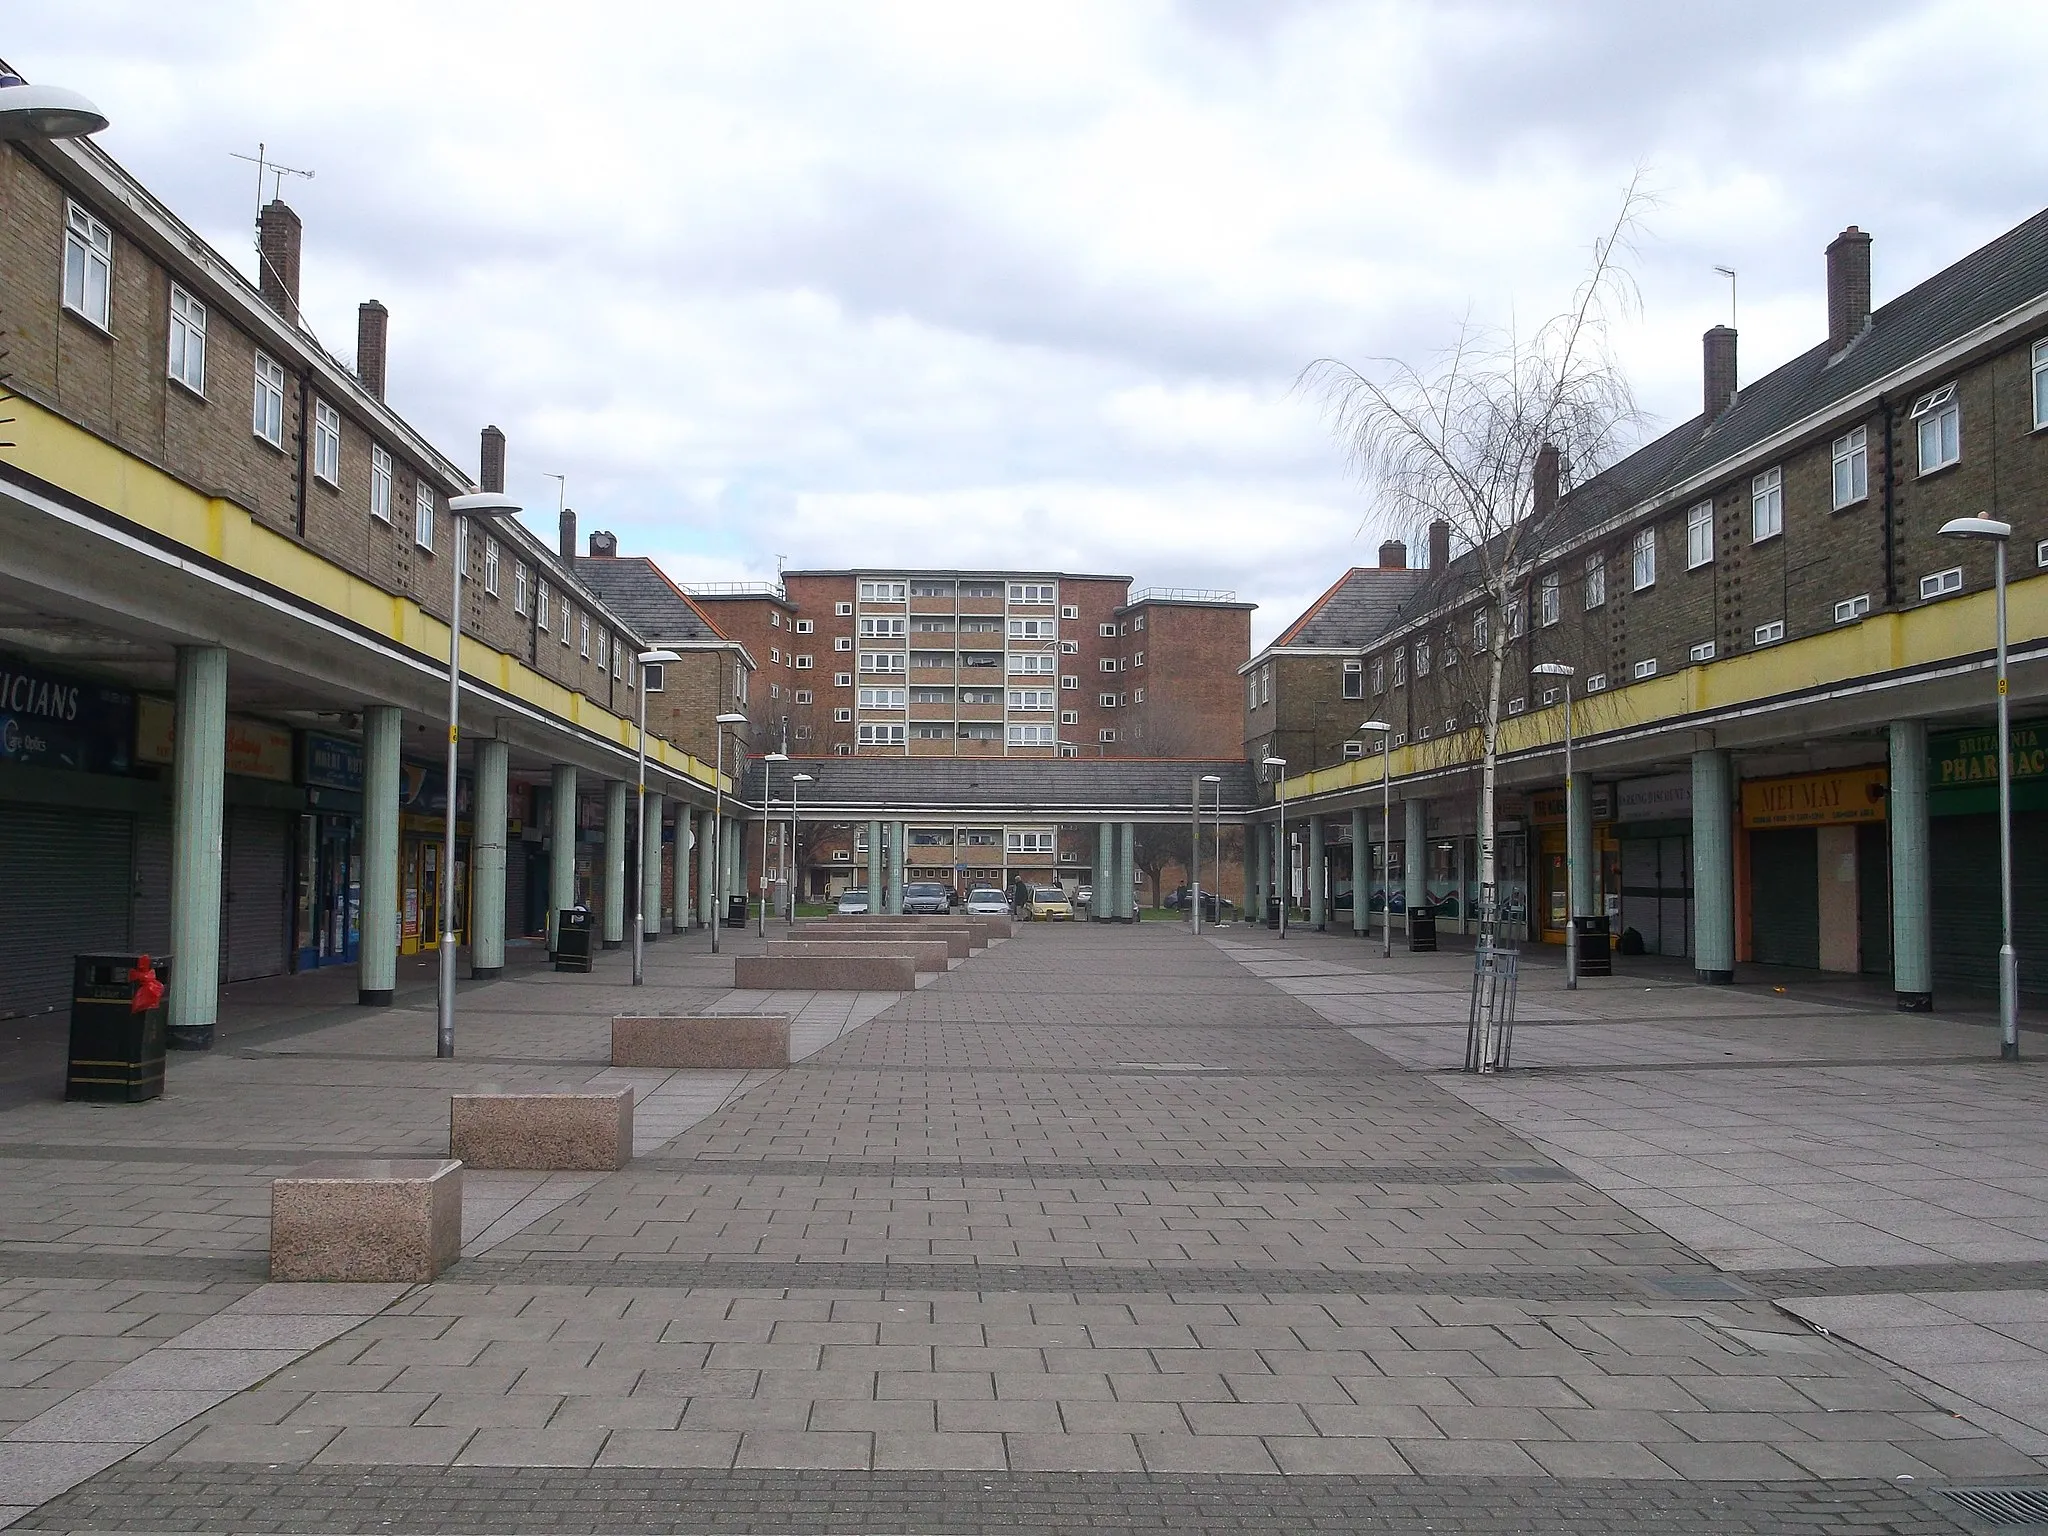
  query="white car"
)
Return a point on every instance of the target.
[
  {"x": 985, "y": 902},
  {"x": 853, "y": 904}
]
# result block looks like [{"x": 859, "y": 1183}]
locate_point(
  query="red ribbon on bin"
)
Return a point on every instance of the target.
[{"x": 148, "y": 990}]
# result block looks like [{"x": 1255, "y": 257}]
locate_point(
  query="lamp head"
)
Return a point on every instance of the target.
[
  {"x": 1375, "y": 725},
  {"x": 775, "y": 757},
  {"x": 1553, "y": 669},
  {"x": 802, "y": 778},
  {"x": 45, "y": 111},
  {"x": 490, "y": 504},
  {"x": 729, "y": 720},
  {"x": 1212, "y": 778},
  {"x": 658, "y": 658},
  {"x": 1273, "y": 762},
  {"x": 1976, "y": 528}
]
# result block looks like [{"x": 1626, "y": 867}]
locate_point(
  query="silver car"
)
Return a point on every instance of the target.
[
  {"x": 984, "y": 902},
  {"x": 853, "y": 904}
]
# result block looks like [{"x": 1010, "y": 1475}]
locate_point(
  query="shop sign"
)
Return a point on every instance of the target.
[
  {"x": 422, "y": 790},
  {"x": 333, "y": 762},
  {"x": 1667, "y": 797},
  {"x": 53, "y": 722},
  {"x": 1815, "y": 799},
  {"x": 1546, "y": 806},
  {"x": 255, "y": 750},
  {"x": 1968, "y": 759}
]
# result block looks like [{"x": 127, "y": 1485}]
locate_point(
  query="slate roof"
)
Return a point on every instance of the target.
[
  {"x": 637, "y": 590},
  {"x": 1356, "y": 609},
  {"x": 994, "y": 786}
]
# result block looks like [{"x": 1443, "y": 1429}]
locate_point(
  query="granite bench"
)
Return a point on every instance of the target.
[
  {"x": 930, "y": 954},
  {"x": 579, "y": 1131},
  {"x": 849, "y": 972},
  {"x": 381, "y": 1220},
  {"x": 701, "y": 1040},
  {"x": 959, "y": 939}
]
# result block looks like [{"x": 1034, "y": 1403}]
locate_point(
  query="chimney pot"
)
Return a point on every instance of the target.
[
  {"x": 277, "y": 243},
  {"x": 373, "y": 330},
  {"x": 491, "y": 460},
  {"x": 1393, "y": 555},
  {"x": 1717, "y": 352},
  {"x": 1848, "y": 287},
  {"x": 1439, "y": 545},
  {"x": 568, "y": 539},
  {"x": 603, "y": 545}
]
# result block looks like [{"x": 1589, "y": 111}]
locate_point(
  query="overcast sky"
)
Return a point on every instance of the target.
[{"x": 962, "y": 284}]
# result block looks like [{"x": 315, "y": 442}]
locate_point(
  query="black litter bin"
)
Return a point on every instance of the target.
[
  {"x": 572, "y": 939},
  {"x": 736, "y": 912},
  {"x": 1421, "y": 932},
  {"x": 1596, "y": 955},
  {"x": 117, "y": 1049},
  {"x": 1272, "y": 911}
]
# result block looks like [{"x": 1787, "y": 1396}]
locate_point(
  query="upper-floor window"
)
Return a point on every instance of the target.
[
  {"x": 1106, "y": 631},
  {"x": 1138, "y": 659},
  {"x": 423, "y": 514},
  {"x": 604, "y": 658},
  {"x": 1422, "y": 657},
  {"x": 1515, "y": 619},
  {"x": 805, "y": 626},
  {"x": 490, "y": 565},
  {"x": 1251, "y": 690},
  {"x": 380, "y": 487},
  {"x": 1940, "y": 417},
  {"x": 1400, "y": 667},
  {"x": 1766, "y": 505},
  {"x": 1482, "y": 630},
  {"x": 881, "y": 627},
  {"x": 1645, "y": 555},
  {"x": 520, "y": 580},
  {"x": 326, "y": 442},
  {"x": 1034, "y": 629},
  {"x": 1032, "y": 664},
  {"x": 1266, "y": 683},
  {"x": 1852, "y": 467},
  {"x": 1548, "y": 599},
  {"x": 1699, "y": 536},
  {"x": 1354, "y": 679},
  {"x": 1031, "y": 592},
  {"x": 1070, "y": 610},
  {"x": 188, "y": 340},
  {"x": 88, "y": 266},
  {"x": 883, "y": 661},
  {"x": 568, "y": 620},
  {"x": 1379, "y": 675},
  {"x": 1032, "y": 735},
  {"x": 2040, "y": 385},
  {"x": 881, "y": 591},
  {"x": 739, "y": 681},
  {"x": 540, "y": 607},
  {"x": 1596, "y": 581},
  {"x": 267, "y": 415}
]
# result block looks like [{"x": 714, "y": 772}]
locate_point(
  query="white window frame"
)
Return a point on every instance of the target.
[
  {"x": 1032, "y": 736},
  {"x": 842, "y": 679},
  {"x": 541, "y": 604},
  {"x": 1033, "y": 593},
  {"x": 1482, "y": 631},
  {"x": 1070, "y": 647},
  {"x": 2040, "y": 383},
  {"x": 842, "y": 610},
  {"x": 1105, "y": 701},
  {"x": 884, "y": 698},
  {"x": 1354, "y": 749},
  {"x": 1771, "y": 633},
  {"x": 1596, "y": 582},
  {"x": 1941, "y": 583},
  {"x": 1938, "y": 418},
  {"x": 266, "y": 419},
  {"x": 805, "y": 626},
  {"x": 1699, "y": 536},
  {"x": 884, "y": 663},
  {"x": 1850, "y": 609},
  {"x": 1549, "y": 599},
  {"x": 1034, "y": 629},
  {"x": 1401, "y": 667},
  {"x": 568, "y": 621},
  {"x": 1354, "y": 679},
  {"x": 1422, "y": 656},
  {"x": 490, "y": 565},
  {"x": 88, "y": 267},
  {"x": 1851, "y": 468},
  {"x": 1032, "y": 664},
  {"x": 1106, "y": 736},
  {"x": 521, "y": 585},
  {"x": 1597, "y": 683},
  {"x": 186, "y": 359},
  {"x": 805, "y": 662},
  {"x": 842, "y": 642},
  {"x": 1704, "y": 651},
  {"x": 604, "y": 649},
  {"x": 423, "y": 517},
  {"x": 1643, "y": 558},
  {"x": 1106, "y": 664},
  {"x": 1767, "y": 504},
  {"x": 1106, "y": 631},
  {"x": 882, "y": 629},
  {"x": 881, "y": 591},
  {"x": 1379, "y": 675},
  {"x": 1069, "y": 682},
  {"x": 1646, "y": 668},
  {"x": 882, "y": 733},
  {"x": 380, "y": 488},
  {"x": 1032, "y": 698},
  {"x": 326, "y": 443},
  {"x": 842, "y": 716},
  {"x": 1070, "y": 610}
]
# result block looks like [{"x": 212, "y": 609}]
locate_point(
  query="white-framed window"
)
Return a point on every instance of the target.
[
  {"x": 1070, "y": 717},
  {"x": 1704, "y": 651},
  {"x": 1450, "y": 657},
  {"x": 842, "y": 642},
  {"x": 774, "y": 618},
  {"x": 568, "y": 619},
  {"x": 603, "y": 648},
  {"x": 1107, "y": 664},
  {"x": 842, "y": 679},
  {"x": 1771, "y": 633},
  {"x": 1516, "y": 706},
  {"x": 1939, "y": 418},
  {"x": 1400, "y": 667},
  {"x": 1482, "y": 631},
  {"x": 88, "y": 267},
  {"x": 739, "y": 672},
  {"x": 873, "y": 628},
  {"x": 1031, "y": 698},
  {"x": 842, "y": 715},
  {"x": 2040, "y": 385},
  {"x": 1549, "y": 599},
  {"x": 1766, "y": 505},
  {"x": 1699, "y": 536},
  {"x": 1400, "y": 738},
  {"x": 805, "y": 662},
  {"x": 1646, "y": 668},
  {"x": 1069, "y": 682},
  {"x": 187, "y": 361},
  {"x": 1031, "y": 592},
  {"x": 1070, "y": 647},
  {"x": 1849, "y": 609},
  {"x": 1033, "y": 664},
  {"x": 1034, "y": 629},
  {"x": 1597, "y": 683},
  {"x": 1354, "y": 679},
  {"x": 1422, "y": 657},
  {"x": 881, "y": 592},
  {"x": 1596, "y": 581},
  {"x": 1106, "y": 700},
  {"x": 1379, "y": 675},
  {"x": 1942, "y": 583},
  {"x": 1354, "y": 749},
  {"x": 805, "y": 626},
  {"x": 1105, "y": 735},
  {"x": 1451, "y": 725},
  {"x": 326, "y": 443},
  {"x": 1138, "y": 623},
  {"x": 1029, "y": 842},
  {"x": 521, "y": 580},
  {"x": 883, "y": 661},
  {"x": 881, "y": 734},
  {"x": 654, "y": 677},
  {"x": 1644, "y": 557},
  {"x": 423, "y": 517},
  {"x": 1852, "y": 467},
  {"x": 619, "y": 660},
  {"x": 541, "y": 606},
  {"x": 842, "y": 610},
  {"x": 490, "y": 565},
  {"x": 1251, "y": 691},
  {"x": 2041, "y": 554},
  {"x": 1550, "y": 696},
  {"x": 267, "y": 412},
  {"x": 1106, "y": 631},
  {"x": 1033, "y": 735},
  {"x": 1070, "y": 610},
  {"x": 883, "y": 698},
  {"x": 1515, "y": 619},
  {"x": 380, "y": 492},
  {"x": 774, "y": 655}
]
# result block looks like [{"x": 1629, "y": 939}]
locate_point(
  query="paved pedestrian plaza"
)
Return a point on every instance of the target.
[{"x": 1106, "y": 1227}]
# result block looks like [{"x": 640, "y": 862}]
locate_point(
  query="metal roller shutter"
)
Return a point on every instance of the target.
[
  {"x": 1964, "y": 895},
  {"x": 255, "y": 893},
  {"x": 64, "y": 890},
  {"x": 1784, "y": 897},
  {"x": 150, "y": 925}
]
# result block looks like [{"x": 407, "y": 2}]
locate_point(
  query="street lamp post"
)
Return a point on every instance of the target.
[
  {"x": 44, "y": 111},
  {"x": 657, "y": 660},
  {"x": 1386, "y": 733},
  {"x": 1998, "y": 532},
  {"x": 482, "y": 504},
  {"x": 795, "y": 842},
  {"x": 766, "y": 778},
  {"x": 719, "y": 722},
  {"x": 1196, "y": 846},
  {"x": 1565, "y": 674},
  {"x": 1285, "y": 881}
]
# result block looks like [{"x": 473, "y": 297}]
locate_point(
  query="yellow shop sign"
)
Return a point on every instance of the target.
[{"x": 1815, "y": 799}]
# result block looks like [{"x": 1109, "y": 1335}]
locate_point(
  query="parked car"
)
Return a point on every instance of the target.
[
  {"x": 927, "y": 898},
  {"x": 986, "y": 901},
  {"x": 852, "y": 904},
  {"x": 1048, "y": 904},
  {"x": 1084, "y": 896},
  {"x": 1213, "y": 905}
]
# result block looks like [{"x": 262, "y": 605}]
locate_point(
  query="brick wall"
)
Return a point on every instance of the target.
[{"x": 1193, "y": 704}]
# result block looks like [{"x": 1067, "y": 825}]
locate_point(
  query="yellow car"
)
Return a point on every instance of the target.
[{"x": 1048, "y": 904}]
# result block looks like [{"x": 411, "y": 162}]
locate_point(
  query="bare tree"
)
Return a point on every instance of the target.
[
  {"x": 1481, "y": 437},
  {"x": 1157, "y": 845}
]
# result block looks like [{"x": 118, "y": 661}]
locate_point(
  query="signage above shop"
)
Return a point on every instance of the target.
[
  {"x": 255, "y": 749},
  {"x": 1965, "y": 759},
  {"x": 333, "y": 762},
  {"x": 55, "y": 722},
  {"x": 1546, "y": 806},
  {"x": 1815, "y": 799},
  {"x": 1667, "y": 797}
]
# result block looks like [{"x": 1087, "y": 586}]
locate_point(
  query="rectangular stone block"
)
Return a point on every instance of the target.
[
  {"x": 701, "y": 1040},
  {"x": 958, "y": 937},
  {"x": 819, "y": 973},
  {"x": 992, "y": 927},
  {"x": 580, "y": 1131},
  {"x": 930, "y": 954},
  {"x": 369, "y": 1220}
]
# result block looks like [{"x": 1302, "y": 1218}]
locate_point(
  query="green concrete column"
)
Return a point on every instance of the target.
[
  {"x": 198, "y": 782},
  {"x": 487, "y": 861},
  {"x": 561, "y": 846},
  {"x": 1912, "y": 920},
  {"x": 1585, "y": 864},
  {"x": 650, "y": 869},
  {"x": 1103, "y": 908},
  {"x": 1713, "y": 867},
  {"x": 1415, "y": 855},
  {"x": 1313, "y": 875},
  {"x": 1250, "y": 873},
  {"x": 616, "y": 793},
  {"x": 1283, "y": 884},
  {"x": 898, "y": 835},
  {"x": 877, "y": 888},
  {"x": 733, "y": 840},
  {"x": 707, "y": 871},
  {"x": 679, "y": 919},
  {"x": 1361, "y": 875},
  {"x": 377, "y": 974},
  {"x": 1127, "y": 872}
]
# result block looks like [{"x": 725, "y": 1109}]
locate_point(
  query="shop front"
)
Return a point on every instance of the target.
[
  {"x": 1548, "y": 829},
  {"x": 1817, "y": 887},
  {"x": 1652, "y": 909},
  {"x": 422, "y": 827},
  {"x": 329, "y": 873},
  {"x": 1962, "y": 778}
]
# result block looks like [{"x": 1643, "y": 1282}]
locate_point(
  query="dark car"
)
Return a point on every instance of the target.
[
  {"x": 1213, "y": 905},
  {"x": 927, "y": 898}
]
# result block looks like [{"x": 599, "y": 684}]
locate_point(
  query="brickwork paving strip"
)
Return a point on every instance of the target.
[
  {"x": 193, "y": 1497},
  {"x": 247, "y": 1157},
  {"x": 1172, "y": 1173}
]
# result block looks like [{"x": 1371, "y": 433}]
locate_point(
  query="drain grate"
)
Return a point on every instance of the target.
[{"x": 2008, "y": 1507}]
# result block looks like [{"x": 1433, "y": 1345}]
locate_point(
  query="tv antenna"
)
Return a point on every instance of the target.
[
  {"x": 1729, "y": 273},
  {"x": 265, "y": 166},
  {"x": 561, "y": 491}
]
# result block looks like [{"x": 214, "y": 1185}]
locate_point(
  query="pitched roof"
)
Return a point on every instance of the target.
[
  {"x": 994, "y": 786},
  {"x": 1358, "y": 607},
  {"x": 638, "y": 591}
]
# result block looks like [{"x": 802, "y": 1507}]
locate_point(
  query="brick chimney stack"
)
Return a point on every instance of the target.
[
  {"x": 568, "y": 537},
  {"x": 492, "y": 460},
  {"x": 277, "y": 241},
  {"x": 1848, "y": 287},
  {"x": 1545, "y": 488},
  {"x": 1439, "y": 545},
  {"x": 1393, "y": 555},
  {"x": 603, "y": 545},
  {"x": 1717, "y": 353},
  {"x": 373, "y": 331}
]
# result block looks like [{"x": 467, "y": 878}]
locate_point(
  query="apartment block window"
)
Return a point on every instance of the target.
[
  {"x": 1105, "y": 735},
  {"x": 1767, "y": 505},
  {"x": 842, "y": 642},
  {"x": 188, "y": 340},
  {"x": 1033, "y": 664},
  {"x": 267, "y": 419},
  {"x": 1379, "y": 675},
  {"x": 805, "y": 626},
  {"x": 1031, "y": 698},
  {"x": 843, "y": 610},
  {"x": 380, "y": 496},
  {"x": 1942, "y": 583},
  {"x": 1354, "y": 679},
  {"x": 1596, "y": 581},
  {"x": 490, "y": 565},
  {"x": 88, "y": 266},
  {"x": 842, "y": 679},
  {"x": 1033, "y": 629},
  {"x": 1516, "y": 706},
  {"x": 604, "y": 655},
  {"x": 1850, "y": 609},
  {"x": 1107, "y": 664},
  {"x": 619, "y": 661},
  {"x": 1645, "y": 557},
  {"x": 1400, "y": 667},
  {"x": 1939, "y": 417},
  {"x": 1646, "y": 668},
  {"x": 583, "y": 645},
  {"x": 1106, "y": 631},
  {"x": 881, "y": 592},
  {"x": 1106, "y": 700},
  {"x": 1138, "y": 660},
  {"x": 881, "y": 735},
  {"x": 1070, "y": 647},
  {"x": 882, "y": 698},
  {"x": 1482, "y": 631},
  {"x": 1422, "y": 657},
  {"x": 1029, "y": 842},
  {"x": 1550, "y": 696},
  {"x": 1069, "y": 682},
  {"x": 1354, "y": 749},
  {"x": 774, "y": 619},
  {"x": 775, "y": 655},
  {"x": 1597, "y": 683},
  {"x": 423, "y": 518},
  {"x": 1852, "y": 467},
  {"x": 882, "y": 661},
  {"x": 1699, "y": 536},
  {"x": 326, "y": 442},
  {"x": 2040, "y": 385},
  {"x": 871, "y": 628},
  {"x": 1070, "y": 717},
  {"x": 842, "y": 716},
  {"x": 1771, "y": 633},
  {"x": 540, "y": 607},
  {"x": 1704, "y": 651},
  {"x": 1030, "y": 592},
  {"x": 805, "y": 662},
  {"x": 1033, "y": 735},
  {"x": 520, "y": 580},
  {"x": 1515, "y": 620},
  {"x": 1070, "y": 611},
  {"x": 739, "y": 673},
  {"x": 1549, "y": 599}
]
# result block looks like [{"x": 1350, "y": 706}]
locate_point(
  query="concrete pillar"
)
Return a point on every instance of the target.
[
  {"x": 1103, "y": 908},
  {"x": 1585, "y": 864},
  {"x": 377, "y": 974},
  {"x": 1713, "y": 867},
  {"x": 877, "y": 888},
  {"x": 1318, "y": 915},
  {"x": 707, "y": 873},
  {"x": 1250, "y": 872},
  {"x": 487, "y": 861},
  {"x": 1259, "y": 867},
  {"x": 1415, "y": 857},
  {"x": 733, "y": 848},
  {"x": 1127, "y": 871},
  {"x": 561, "y": 846},
  {"x": 650, "y": 869},
  {"x": 198, "y": 783},
  {"x": 616, "y": 794},
  {"x": 898, "y": 835},
  {"x": 680, "y": 920},
  {"x": 1912, "y": 918},
  {"x": 1361, "y": 875},
  {"x": 1283, "y": 875}
]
